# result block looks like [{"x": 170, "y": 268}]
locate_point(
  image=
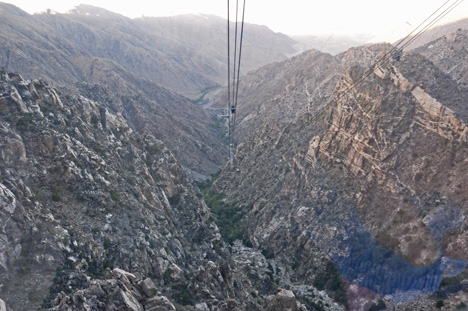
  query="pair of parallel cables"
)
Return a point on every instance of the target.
[{"x": 233, "y": 94}]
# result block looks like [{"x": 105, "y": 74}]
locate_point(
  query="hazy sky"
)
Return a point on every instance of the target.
[{"x": 292, "y": 17}]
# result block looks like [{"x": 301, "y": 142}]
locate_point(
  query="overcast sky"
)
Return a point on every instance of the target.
[{"x": 292, "y": 17}]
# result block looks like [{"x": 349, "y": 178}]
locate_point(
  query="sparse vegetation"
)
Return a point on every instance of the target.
[
  {"x": 25, "y": 123},
  {"x": 95, "y": 120},
  {"x": 268, "y": 253},
  {"x": 330, "y": 280},
  {"x": 379, "y": 306},
  {"x": 153, "y": 150},
  {"x": 220, "y": 126},
  {"x": 228, "y": 216},
  {"x": 439, "y": 304},
  {"x": 181, "y": 293},
  {"x": 114, "y": 195},
  {"x": 175, "y": 199},
  {"x": 56, "y": 194},
  {"x": 201, "y": 99}
]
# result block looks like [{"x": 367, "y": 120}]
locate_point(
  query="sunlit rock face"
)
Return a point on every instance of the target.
[{"x": 374, "y": 181}]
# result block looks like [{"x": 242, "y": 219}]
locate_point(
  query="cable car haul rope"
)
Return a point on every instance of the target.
[
  {"x": 397, "y": 51},
  {"x": 234, "y": 91}
]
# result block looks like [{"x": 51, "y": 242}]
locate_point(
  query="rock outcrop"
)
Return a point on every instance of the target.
[
  {"x": 370, "y": 186},
  {"x": 81, "y": 190},
  {"x": 3, "y": 306},
  {"x": 452, "y": 61},
  {"x": 285, "y": 300},
  {"x": 120, "y": 290}
]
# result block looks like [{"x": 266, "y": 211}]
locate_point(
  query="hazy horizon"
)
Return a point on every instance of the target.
[{"x": 386, "y": 20}]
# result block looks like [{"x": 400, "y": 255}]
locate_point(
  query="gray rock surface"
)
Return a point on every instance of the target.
[
  {"x": 3, "y": 306},
  {"x": 77, "y": 196},
  {"x": 378, "y": 170},
  {"x": 101, "y": 217}
]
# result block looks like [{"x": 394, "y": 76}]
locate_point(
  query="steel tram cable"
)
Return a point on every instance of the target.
[
  {"x": 229, "y": 72},
  {"x": 239, "y": 65},
  {"x": 387, "y": 56},
  {"x": 233, "y": 93},
  {"x": 422, "y": 23},
  {"x": 438, "y": 18},
  {"x": 235, "y": 53}
]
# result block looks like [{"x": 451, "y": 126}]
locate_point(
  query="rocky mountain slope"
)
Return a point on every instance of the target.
[
  {"x": 369, "y": 180},
  {"x": 191, "y": 133},
  {"x": 80, "y": 188},
  {"x": 282, "y": 91},
  {"x": 32, "y": 47},
  {"x": 452, "y": 61},
  {"x": 94, "y": 215}
]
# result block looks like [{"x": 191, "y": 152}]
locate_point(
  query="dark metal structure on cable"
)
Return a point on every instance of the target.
[{"x": 234, "y": 91}]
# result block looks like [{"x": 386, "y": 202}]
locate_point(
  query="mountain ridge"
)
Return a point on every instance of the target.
[{"x": 57, "y": 60}]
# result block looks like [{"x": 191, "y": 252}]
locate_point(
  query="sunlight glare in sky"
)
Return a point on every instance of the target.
[{"x": 292, "y": 17}]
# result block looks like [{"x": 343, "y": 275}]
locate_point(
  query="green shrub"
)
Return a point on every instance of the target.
[
  {"x": 25, "y": 123},
  {"x": 439, "y": 304},
  {"x": 268, "y": 253},
  {"x": 107, "y": 243},
  {"x": 175, "y": 199},
  {"x": 330, "y": 280},
  {"x": 379, "y": 306},
  {"x": 181, "y": 293},
  {"x": 95, "y": 120},
  {"x": 114, "y": 195}
]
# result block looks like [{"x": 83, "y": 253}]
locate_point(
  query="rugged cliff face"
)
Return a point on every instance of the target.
[
  {"x": 79, "y": 187},
  {"x": 451, "y": 60},
  {"x": 281, "y": 92},
  {"x": 191, "y": 133},
  {"x": 374, "y": 181}
]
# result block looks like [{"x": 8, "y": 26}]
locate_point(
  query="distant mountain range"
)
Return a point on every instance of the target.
[
  {"x": 331, "y": 43},
  {"x": 184, "y": 53}
]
